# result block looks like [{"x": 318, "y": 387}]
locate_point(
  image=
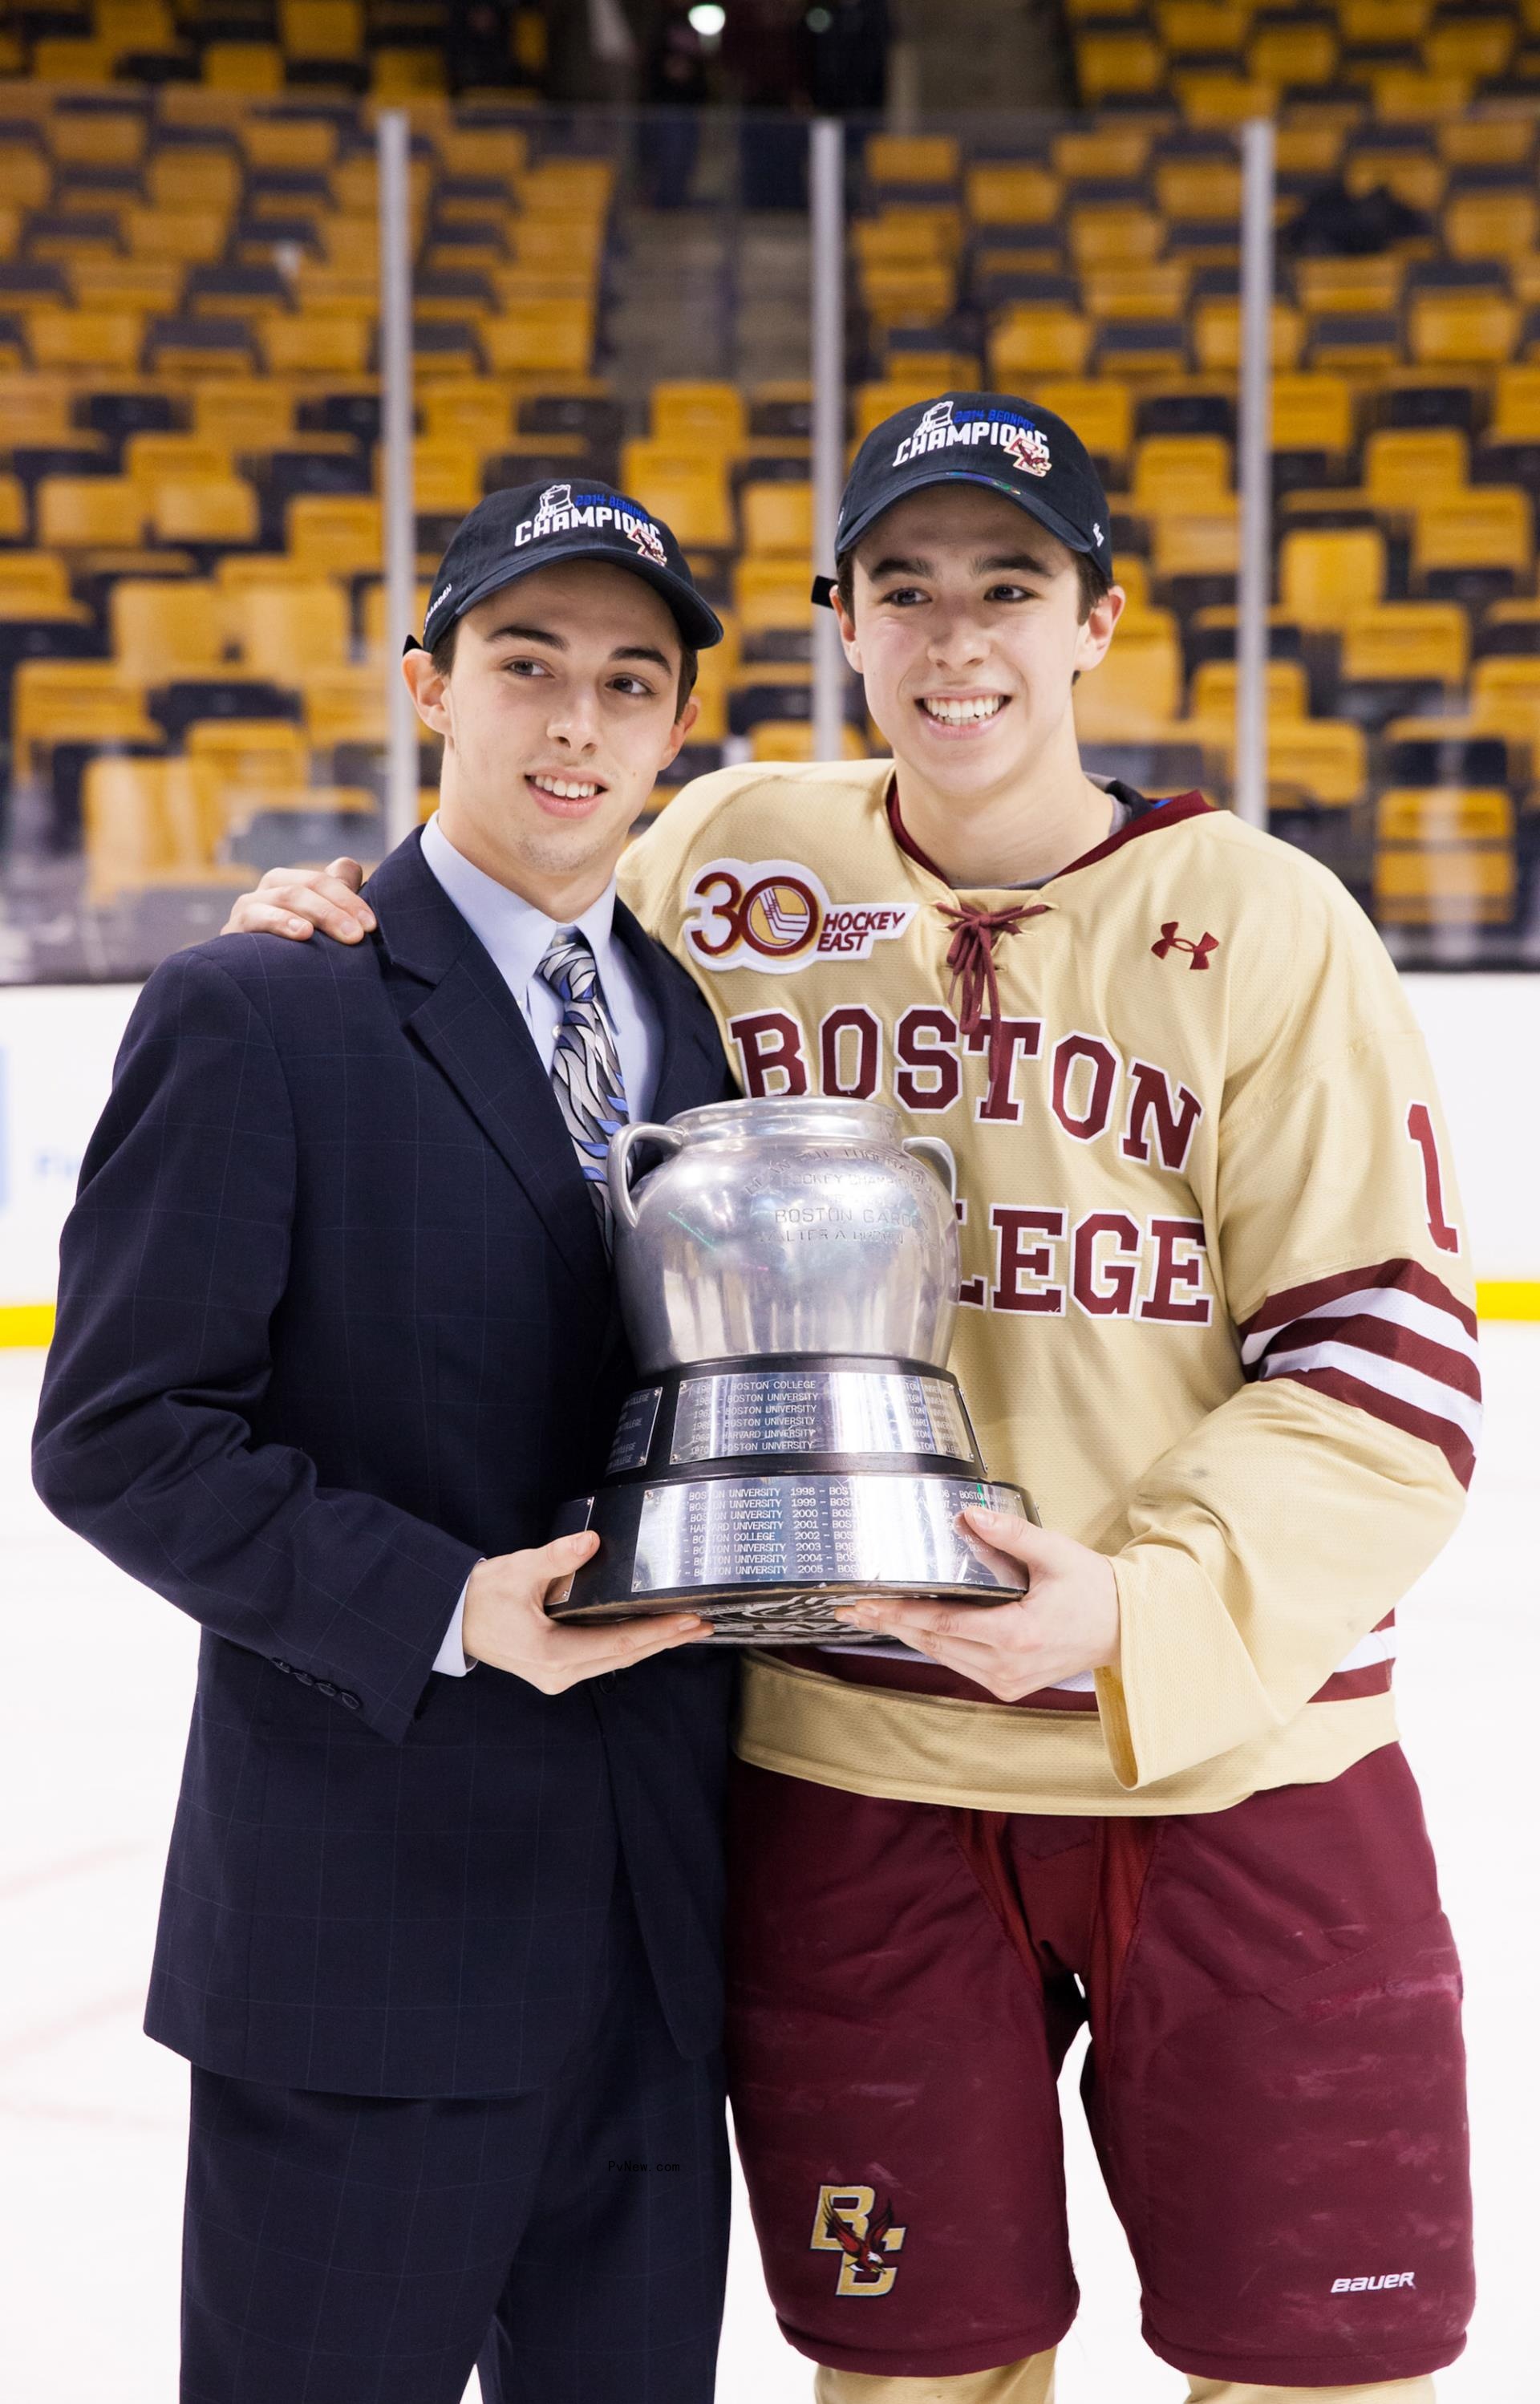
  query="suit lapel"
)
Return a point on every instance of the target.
[
  {"x": 691, "y": 1068},
  {"x": 472, "y": 1027}
]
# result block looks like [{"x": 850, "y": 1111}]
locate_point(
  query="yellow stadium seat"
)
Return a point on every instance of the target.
[
  {"x": 1313, "y": 412},
  {"x": 1219, "y": 96},
  {"x": 256, "y": 414},
  {"x": 876, "y": 401},
  {"x": 1411, "y": 175},
  {"x": 74, "y": 700},
  {"x": 204, "y": 509},
  {"x": 485, "y": 153},
  {"x": 321, "y": 29},
  {"x": 1113, "y": 66},
  {"x": 1213, "y": 690},
  {"x": 1031, "y": 342},
  {"x": 1422, "y": 641},
  {"x": 1114, "y": 233},
  {"x": 1201, "y": 539},
  {"x": 78, "y": 512},
  {"x": 352, "y": 244},
  {"x": 33, "y": 583},
  {"x": 399, "y": 74},
  {"x": 1486, "y": 141},
  {"x": 305, "y": 143},
  {"x": 135, "y": 25},
  {"x": 1491, "y": 225},
  {"x": 1488, "y": 526},
  {"x": 1307, "y": 148},
  {"x": 289, "y": 631},
  {"x": 1157, "y": 290},
  {"x": 999, "y": 195},
  {"x": 1354, "y": 285},
  {"x": 164, "y": 626},
  {"x": 206, "y": 179},
  {"x": 1282, "y": 53},
  {"x": 541, "y": 338},
  {"x": 150, "y": 823},
  {"x": 474, "y": 408},
  {"x": 1101, "y": 412},
  {"x": 710, "y": 416},
  {"x": 36, "y": 408},
  {"x": 1325, "y": 577},
  {"x": 1109, "y": 150},
  {"x": 1404, "y": 467},
  {"x": 149, "y": 458},
  {"x": 446, "y": 473},
  {"x": 319, "y": 342},
  {"x": 26, "y": 177},
  {"x": 778, "y": 520},
  {"x": 1406, "y": 95},
  {"x": 1370, "y": 23},
  {"x": 185, "y": 232},
  {"x": 104, "y": 340},
  {"x": 338, "y": 534},
  {"x": 1320, "y": 759},
  {"x": 1200, "y": 28},
  {"x": 13, "y": 509},
  {"x": 245, "y": 760},
  {"x": 692, "y": 499},
  {"x": 1181, "y": 471},
  {"x": 1505, "y": 695},
  {"x": 771, "y": 592},
  {"x": 1188, "y": 188},
  {"x": 1472, "y": 48},
  {"x": 256, "y": 67},
  {"x": 346, "y": 705},
  {"x": 1216, "y": 335},
  {"x": 1462, "y": 328},
  {"x": 1444, "y": 858},
  {"x": 71, "y": 62},
  {"x": 1138, "y": 686},
  {"x": 126, "y": 283},
  {"x": 911, "y": 159}
]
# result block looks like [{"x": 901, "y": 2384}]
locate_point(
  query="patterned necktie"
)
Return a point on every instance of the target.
[{"x": 586, "y": 1066}]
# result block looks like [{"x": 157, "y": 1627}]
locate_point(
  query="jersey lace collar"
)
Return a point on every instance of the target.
[{"x": 1148, "y": 817}]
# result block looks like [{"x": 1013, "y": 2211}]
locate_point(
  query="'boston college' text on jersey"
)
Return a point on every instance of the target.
[{"x": 1217, "y": 1312}]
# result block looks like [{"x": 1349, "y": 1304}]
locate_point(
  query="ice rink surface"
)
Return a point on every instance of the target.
[{"x": 93, "y": 1711}]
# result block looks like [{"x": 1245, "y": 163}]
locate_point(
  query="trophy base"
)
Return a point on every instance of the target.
[{"x": 765, "y": 1557}]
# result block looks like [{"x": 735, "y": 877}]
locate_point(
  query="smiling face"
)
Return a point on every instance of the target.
[
  {"x": 559, "y": 713},
  {"x": 968, "y": 629}
]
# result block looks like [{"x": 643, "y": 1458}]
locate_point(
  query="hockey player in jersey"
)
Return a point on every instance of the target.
[{"x": 1217, "y": 1316}]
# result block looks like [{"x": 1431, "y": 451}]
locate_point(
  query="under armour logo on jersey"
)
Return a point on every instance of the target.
[{"x": 1171, "y": 941}]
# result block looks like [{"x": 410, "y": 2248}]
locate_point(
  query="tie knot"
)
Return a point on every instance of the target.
[{"x": 568, "y": 968}]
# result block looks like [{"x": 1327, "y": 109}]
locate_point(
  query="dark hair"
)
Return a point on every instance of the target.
[
  {"x": 442, "y": 656},
  {"x": 1094, "y": 585}
]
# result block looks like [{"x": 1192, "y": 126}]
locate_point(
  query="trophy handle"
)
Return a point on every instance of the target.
[
  {"x": 618, "y": 1166},
  {"x": 930, "y": 1149}
]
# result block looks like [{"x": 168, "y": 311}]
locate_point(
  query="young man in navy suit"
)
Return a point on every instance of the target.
[{"x": 337, "y": 1335}]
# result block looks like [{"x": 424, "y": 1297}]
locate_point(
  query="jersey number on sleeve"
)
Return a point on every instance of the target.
[{"x": 1420, "y": 1129}]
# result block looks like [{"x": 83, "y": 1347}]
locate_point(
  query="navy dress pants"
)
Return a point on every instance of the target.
[{"x": 569, "y": 2243}]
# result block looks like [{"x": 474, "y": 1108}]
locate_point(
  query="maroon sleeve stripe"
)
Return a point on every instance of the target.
[
  {"x": 1383, "y": 1337},
  {"x": 1294, "y": 1302},
  {"x": 1451, "y": 1441}
]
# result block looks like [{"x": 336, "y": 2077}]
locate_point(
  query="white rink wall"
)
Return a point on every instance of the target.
[{"x": 57, "y": 1045}]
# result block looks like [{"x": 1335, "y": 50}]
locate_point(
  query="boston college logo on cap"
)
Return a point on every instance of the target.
[
  {"x": 561, "y": 510},
  {"x": 1024, "y": 444}
]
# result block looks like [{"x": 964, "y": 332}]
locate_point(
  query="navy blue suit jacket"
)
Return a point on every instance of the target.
[{"x": 334, "y": 1321}]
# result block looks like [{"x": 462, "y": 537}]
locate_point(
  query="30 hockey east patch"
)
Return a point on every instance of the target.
[{"x": 776, "y": 915}]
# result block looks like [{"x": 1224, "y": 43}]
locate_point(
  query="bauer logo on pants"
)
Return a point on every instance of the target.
[
  {"x": 775, "y": 914},
  {"x": 848, "y": 2222}
]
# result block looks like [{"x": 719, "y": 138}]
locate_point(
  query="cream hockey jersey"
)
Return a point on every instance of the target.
[{"x": 1217, "y": 1309}]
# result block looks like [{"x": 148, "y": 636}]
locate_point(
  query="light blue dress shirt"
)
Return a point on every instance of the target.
[{"x": 518, "y": 936}]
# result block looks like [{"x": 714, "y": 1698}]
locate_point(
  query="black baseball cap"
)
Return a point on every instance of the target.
[
  {"x": 539, "y": 525},
  {"x": 979, "y": 438}
]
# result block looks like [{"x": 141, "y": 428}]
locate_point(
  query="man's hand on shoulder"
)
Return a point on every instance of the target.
[
  {"x": 296, "y": 902},
  {"x": 505, "y": 1625}
]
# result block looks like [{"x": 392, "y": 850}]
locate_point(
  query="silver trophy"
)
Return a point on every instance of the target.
[{"x": 788, "y": 1279}]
